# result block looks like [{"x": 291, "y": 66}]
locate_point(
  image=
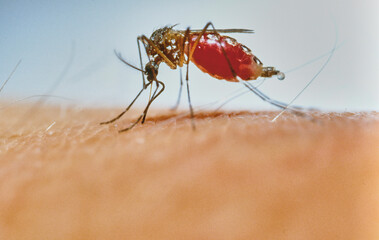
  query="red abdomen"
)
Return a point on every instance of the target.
[{"x": 209, "y": 58}]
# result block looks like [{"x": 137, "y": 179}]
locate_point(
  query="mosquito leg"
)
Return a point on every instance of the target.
[
  {"x": 145, "y": 40},
  {"x": 190, "y": 106},
  {"x": 142, "y": 116},
  {"x": 141, "y": 64},
  {"x": 131, "y": 126},
  {"x": 274, "y": 102},
  {"x": 293, "y": 106},
  {"x": 296, "y": 110},
  {"x": 180, "y": 91},
  {"x": 155, "y": 96},
  {"x": 284, "y": 105},
  {"x": 264, "y": 97},
  {"x": 146, "y": 108},
  {"x": 186, "y": 38},
  {"x": 223, "y": 50},
  {"x": 219, "y": 40},
  {"x": 190, "y": 54},
  {"x": 123, "y": 112},
  {"x": 148, "y": 104}
]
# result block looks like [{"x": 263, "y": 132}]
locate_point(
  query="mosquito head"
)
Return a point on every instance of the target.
[
  {"x": 151, "y": 70},
  {"x": 271, "y": 71}
]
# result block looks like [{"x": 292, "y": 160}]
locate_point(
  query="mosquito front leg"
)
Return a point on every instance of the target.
[
  {"x": 149, "y": 103},
  {"x": 141, "y": 64},
  {"x": 144, "y": 39},
  {"x": 123, "y": 112},
  {"x": 144, "y": 114}
]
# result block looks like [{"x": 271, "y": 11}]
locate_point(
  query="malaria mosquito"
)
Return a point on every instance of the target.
[{"x": 221, "y": 56}]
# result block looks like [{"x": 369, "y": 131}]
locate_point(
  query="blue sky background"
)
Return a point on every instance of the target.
[{"x": 48, "y": 35}]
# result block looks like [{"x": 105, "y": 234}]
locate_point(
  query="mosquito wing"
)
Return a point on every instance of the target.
[{"x": 230, "y": 30}]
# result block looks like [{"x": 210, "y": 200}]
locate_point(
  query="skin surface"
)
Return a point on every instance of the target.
[{"x": 239, "y": 176}]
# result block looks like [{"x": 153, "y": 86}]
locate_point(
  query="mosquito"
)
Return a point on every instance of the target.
[{"x": 220, "y": 56}]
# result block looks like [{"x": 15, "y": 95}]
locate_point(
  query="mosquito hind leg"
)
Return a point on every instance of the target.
[
  {"x": 280, "y": 104},
  {"x": 274, "y": 102},
  {"x": 210, "y": 24},
  {"x": 264, "y": 97}
]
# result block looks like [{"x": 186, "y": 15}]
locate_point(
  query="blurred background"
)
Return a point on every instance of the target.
[{"x": 67, "y": 47}]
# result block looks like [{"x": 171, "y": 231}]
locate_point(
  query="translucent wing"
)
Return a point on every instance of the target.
[{"x": 231, "y": 30}]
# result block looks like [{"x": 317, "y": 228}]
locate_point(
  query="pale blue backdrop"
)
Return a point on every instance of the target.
[{"x": 73, "y": 42}]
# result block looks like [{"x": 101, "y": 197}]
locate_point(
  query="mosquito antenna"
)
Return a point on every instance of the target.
[
  {"x": 10, "y": 75},
  {"x": 176, "y": 24},
  {"x": 314, "y": 77},
  {"x": 123, "y": 60}
]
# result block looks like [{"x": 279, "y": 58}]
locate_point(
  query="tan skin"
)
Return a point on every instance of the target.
[{"x": 239, "y": 176}]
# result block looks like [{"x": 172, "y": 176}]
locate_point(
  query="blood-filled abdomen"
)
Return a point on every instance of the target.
[{"x": 209, "y": 58}]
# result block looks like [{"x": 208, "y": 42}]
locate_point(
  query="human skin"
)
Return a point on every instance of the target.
[{"x": 238, "y": 176}]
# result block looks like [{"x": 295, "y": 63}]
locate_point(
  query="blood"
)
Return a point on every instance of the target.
[{"x": 209, "y": 58}]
